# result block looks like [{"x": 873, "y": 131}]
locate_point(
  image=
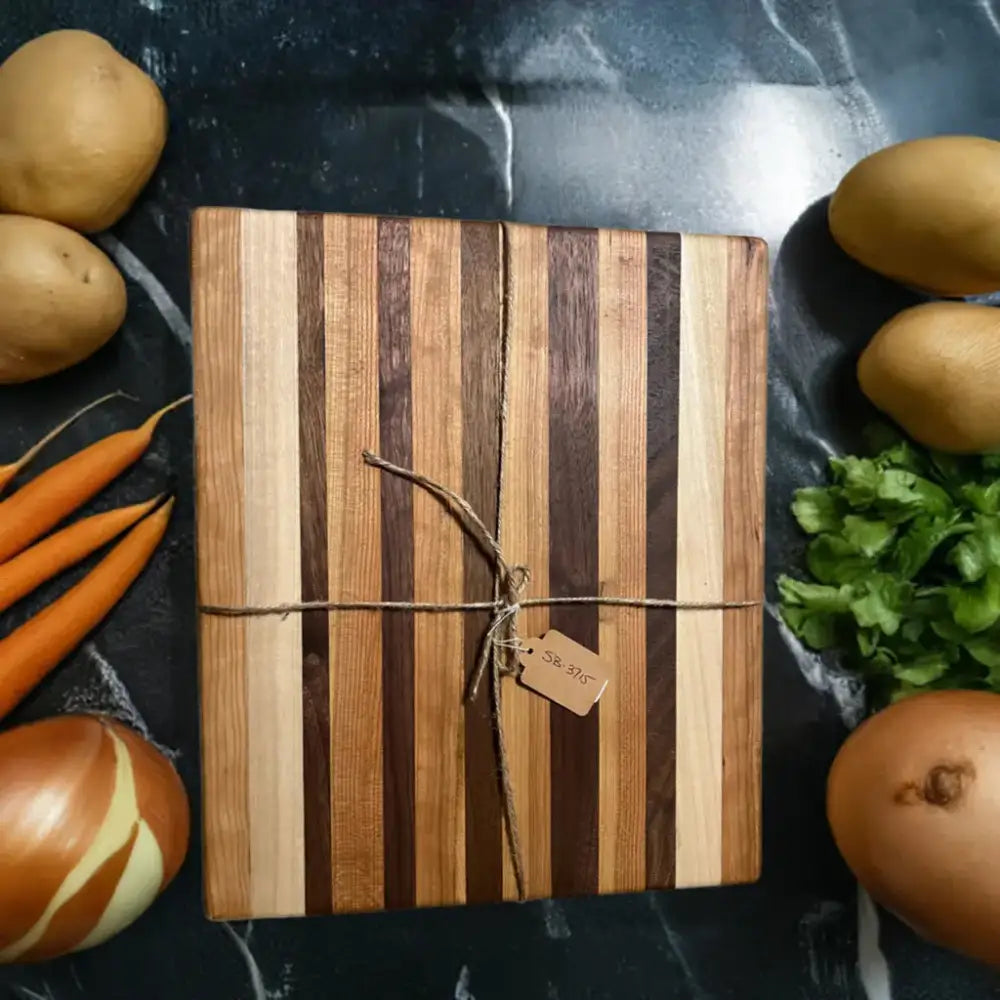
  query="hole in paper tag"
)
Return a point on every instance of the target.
[{"x": 564, "y": 671}]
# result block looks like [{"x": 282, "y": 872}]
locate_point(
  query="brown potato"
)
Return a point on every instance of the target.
[
  {"x": 61, "y": 298},
  {"x": 925, "y": 213},
  {"x": 81, "y": 130},
  {"x": 935, "y": 368}
]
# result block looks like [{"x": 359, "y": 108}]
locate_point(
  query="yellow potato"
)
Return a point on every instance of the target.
[
  {"x": 61, "y": 298},
  {"x": 81, "y": 130},
  {"x": 925, "y": 212},
  {"x": 935, "y": 369}
]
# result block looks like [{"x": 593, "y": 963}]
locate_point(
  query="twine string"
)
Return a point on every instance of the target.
[{"x": 501, "y": 645}]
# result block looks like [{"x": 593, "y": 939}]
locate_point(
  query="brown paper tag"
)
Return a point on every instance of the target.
[{"x": 564, "y": 671}]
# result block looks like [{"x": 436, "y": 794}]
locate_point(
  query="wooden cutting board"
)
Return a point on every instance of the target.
[{"x": 342, "y": 768}]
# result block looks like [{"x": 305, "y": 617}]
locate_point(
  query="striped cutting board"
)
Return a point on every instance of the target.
[{"x": 342, "y": 769}]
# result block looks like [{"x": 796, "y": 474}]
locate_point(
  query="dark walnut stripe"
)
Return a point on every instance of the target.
[
  {"x": 573, "y": 543},
  {"x": 315, "y": 633},
  {"x": 663, "y": 251},
  {"x": 396, "y": 445},
  {"x": 480, "y": 455}
]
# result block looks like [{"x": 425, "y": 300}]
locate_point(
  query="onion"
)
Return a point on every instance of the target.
[
  {"x": 913, "y": 801},
  {"x": 94, "y": 823}
]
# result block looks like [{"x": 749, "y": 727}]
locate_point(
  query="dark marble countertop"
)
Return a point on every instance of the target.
[{"x": 733, "y": 116}]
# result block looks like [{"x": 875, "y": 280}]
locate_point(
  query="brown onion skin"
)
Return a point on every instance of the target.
[
  {"x": 913, "y": 801},
  {"x": 57, "y": 781}
]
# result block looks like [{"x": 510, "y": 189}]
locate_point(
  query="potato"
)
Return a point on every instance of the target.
[
  {"x": 81, "y": 130},
  {"x": 925, "y": 212},
  {"x": 61, "y": 298},
  {"x": 935, "y": 369}
]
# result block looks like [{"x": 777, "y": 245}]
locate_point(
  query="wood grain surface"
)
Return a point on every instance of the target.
[
  {"x": 344, "y": 770},
  {"x": 272, "y": 553},
  {"x": 353, "y": 515}
]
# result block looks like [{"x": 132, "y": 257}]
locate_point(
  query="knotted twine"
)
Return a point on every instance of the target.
[{"x": 500, "y": 646}]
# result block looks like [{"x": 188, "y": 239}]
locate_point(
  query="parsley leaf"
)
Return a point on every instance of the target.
[{"x": 903, "y": 567}]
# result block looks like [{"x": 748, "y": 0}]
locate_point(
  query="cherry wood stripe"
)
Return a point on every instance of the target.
[
  {"x": 744, "y": 554},
  {"x": 439, "y": 643},
  {"x": 481, "y": 343},
  {"x": 272, "y": 544},
  {"x": 217, "y": 315},
  {"x": 663, "y": 253},
  {"x": 312, "y": 502},
  {"x": 701, "y": 438},
  {"x": 622, "y": 557},
  {"x": 355, "y": 560},
  {"x": 396, "y": 445},
  {"x": 525, "y": 540},
  {"x": 573, "y": 548}
]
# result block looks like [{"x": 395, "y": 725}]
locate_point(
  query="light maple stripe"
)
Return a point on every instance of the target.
[
  {"x": 525, "y": 539},
  {"x": 621, "y": 352},
  {"x": 273, "y": 652},
  {"x": 217, "y": 312},
  {"x": 355, "y": 560},
  {"x": 439, "y": 667},
  {"x": 700, "y": 557}
]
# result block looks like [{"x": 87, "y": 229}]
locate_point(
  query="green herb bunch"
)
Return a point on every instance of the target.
[{"x": 905, "y": 567}]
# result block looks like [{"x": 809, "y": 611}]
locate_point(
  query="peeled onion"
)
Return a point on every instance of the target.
[
  {"x": 913, "y": 800},
  {"x": 94, "y": 823}
]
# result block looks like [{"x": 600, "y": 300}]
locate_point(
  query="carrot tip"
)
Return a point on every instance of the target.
[
  {"x": 8, "y": 472},
  {"x": 150, "y": 424}
]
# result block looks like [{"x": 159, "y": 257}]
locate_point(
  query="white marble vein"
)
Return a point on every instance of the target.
[
  {"x": 257, "y": 987},
  {"x": 29, "y": 994},
  {"x": 154, "y": 63},
  {"x": 870, "y": 122},
  {"x": 420, "y": 159},
  {"x": 493, "y": 96},
  {"x": 600, "y": 58},
  {"x": 848, "y": 691},
  {"x": 556, "y": 925},
  {"x": 771, "y": 12},
  {"x": 152, "y": 286},
  {"x": 991, "y": 15},
  {"x": 873, "y": 968},
  {"x": 462, "y": 985},
  {"x": 674, "y": 943}
]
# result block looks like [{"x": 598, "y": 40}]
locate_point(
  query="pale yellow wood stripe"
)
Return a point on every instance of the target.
[
  {"x": 439, "y": 664},
  {"x": 700, "y": 557},
  {"x": 525, "y": 539},
  {"x": 621, "y": 352},
  {"x": 273, "y": 565},
  {"x": 355, "y": 560},
  {"x": 218, "y": 366}
]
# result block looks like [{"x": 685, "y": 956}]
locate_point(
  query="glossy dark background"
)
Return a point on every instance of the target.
[{"x": 733, "y": 116}]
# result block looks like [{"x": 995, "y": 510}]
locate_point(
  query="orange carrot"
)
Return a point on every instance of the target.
[
  {"x": 31, "y": 651},
  {"x": 22, "y": 574},
  {"x": 8, "y": 472},
  {"x": 54, "y": 494}
]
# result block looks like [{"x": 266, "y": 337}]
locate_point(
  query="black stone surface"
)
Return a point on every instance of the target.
[{"x": 718, "y": 116}]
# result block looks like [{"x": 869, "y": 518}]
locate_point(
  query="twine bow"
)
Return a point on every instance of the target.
[{"x": 500, "y": 646}]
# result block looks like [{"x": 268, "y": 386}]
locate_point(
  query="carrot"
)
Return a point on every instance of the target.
[
  {"x": 8, "y": 472},
  {"x": 54, "y": 494},
  {"x": 31, "y": 651},
  {"x": 22, "y": 574}
]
